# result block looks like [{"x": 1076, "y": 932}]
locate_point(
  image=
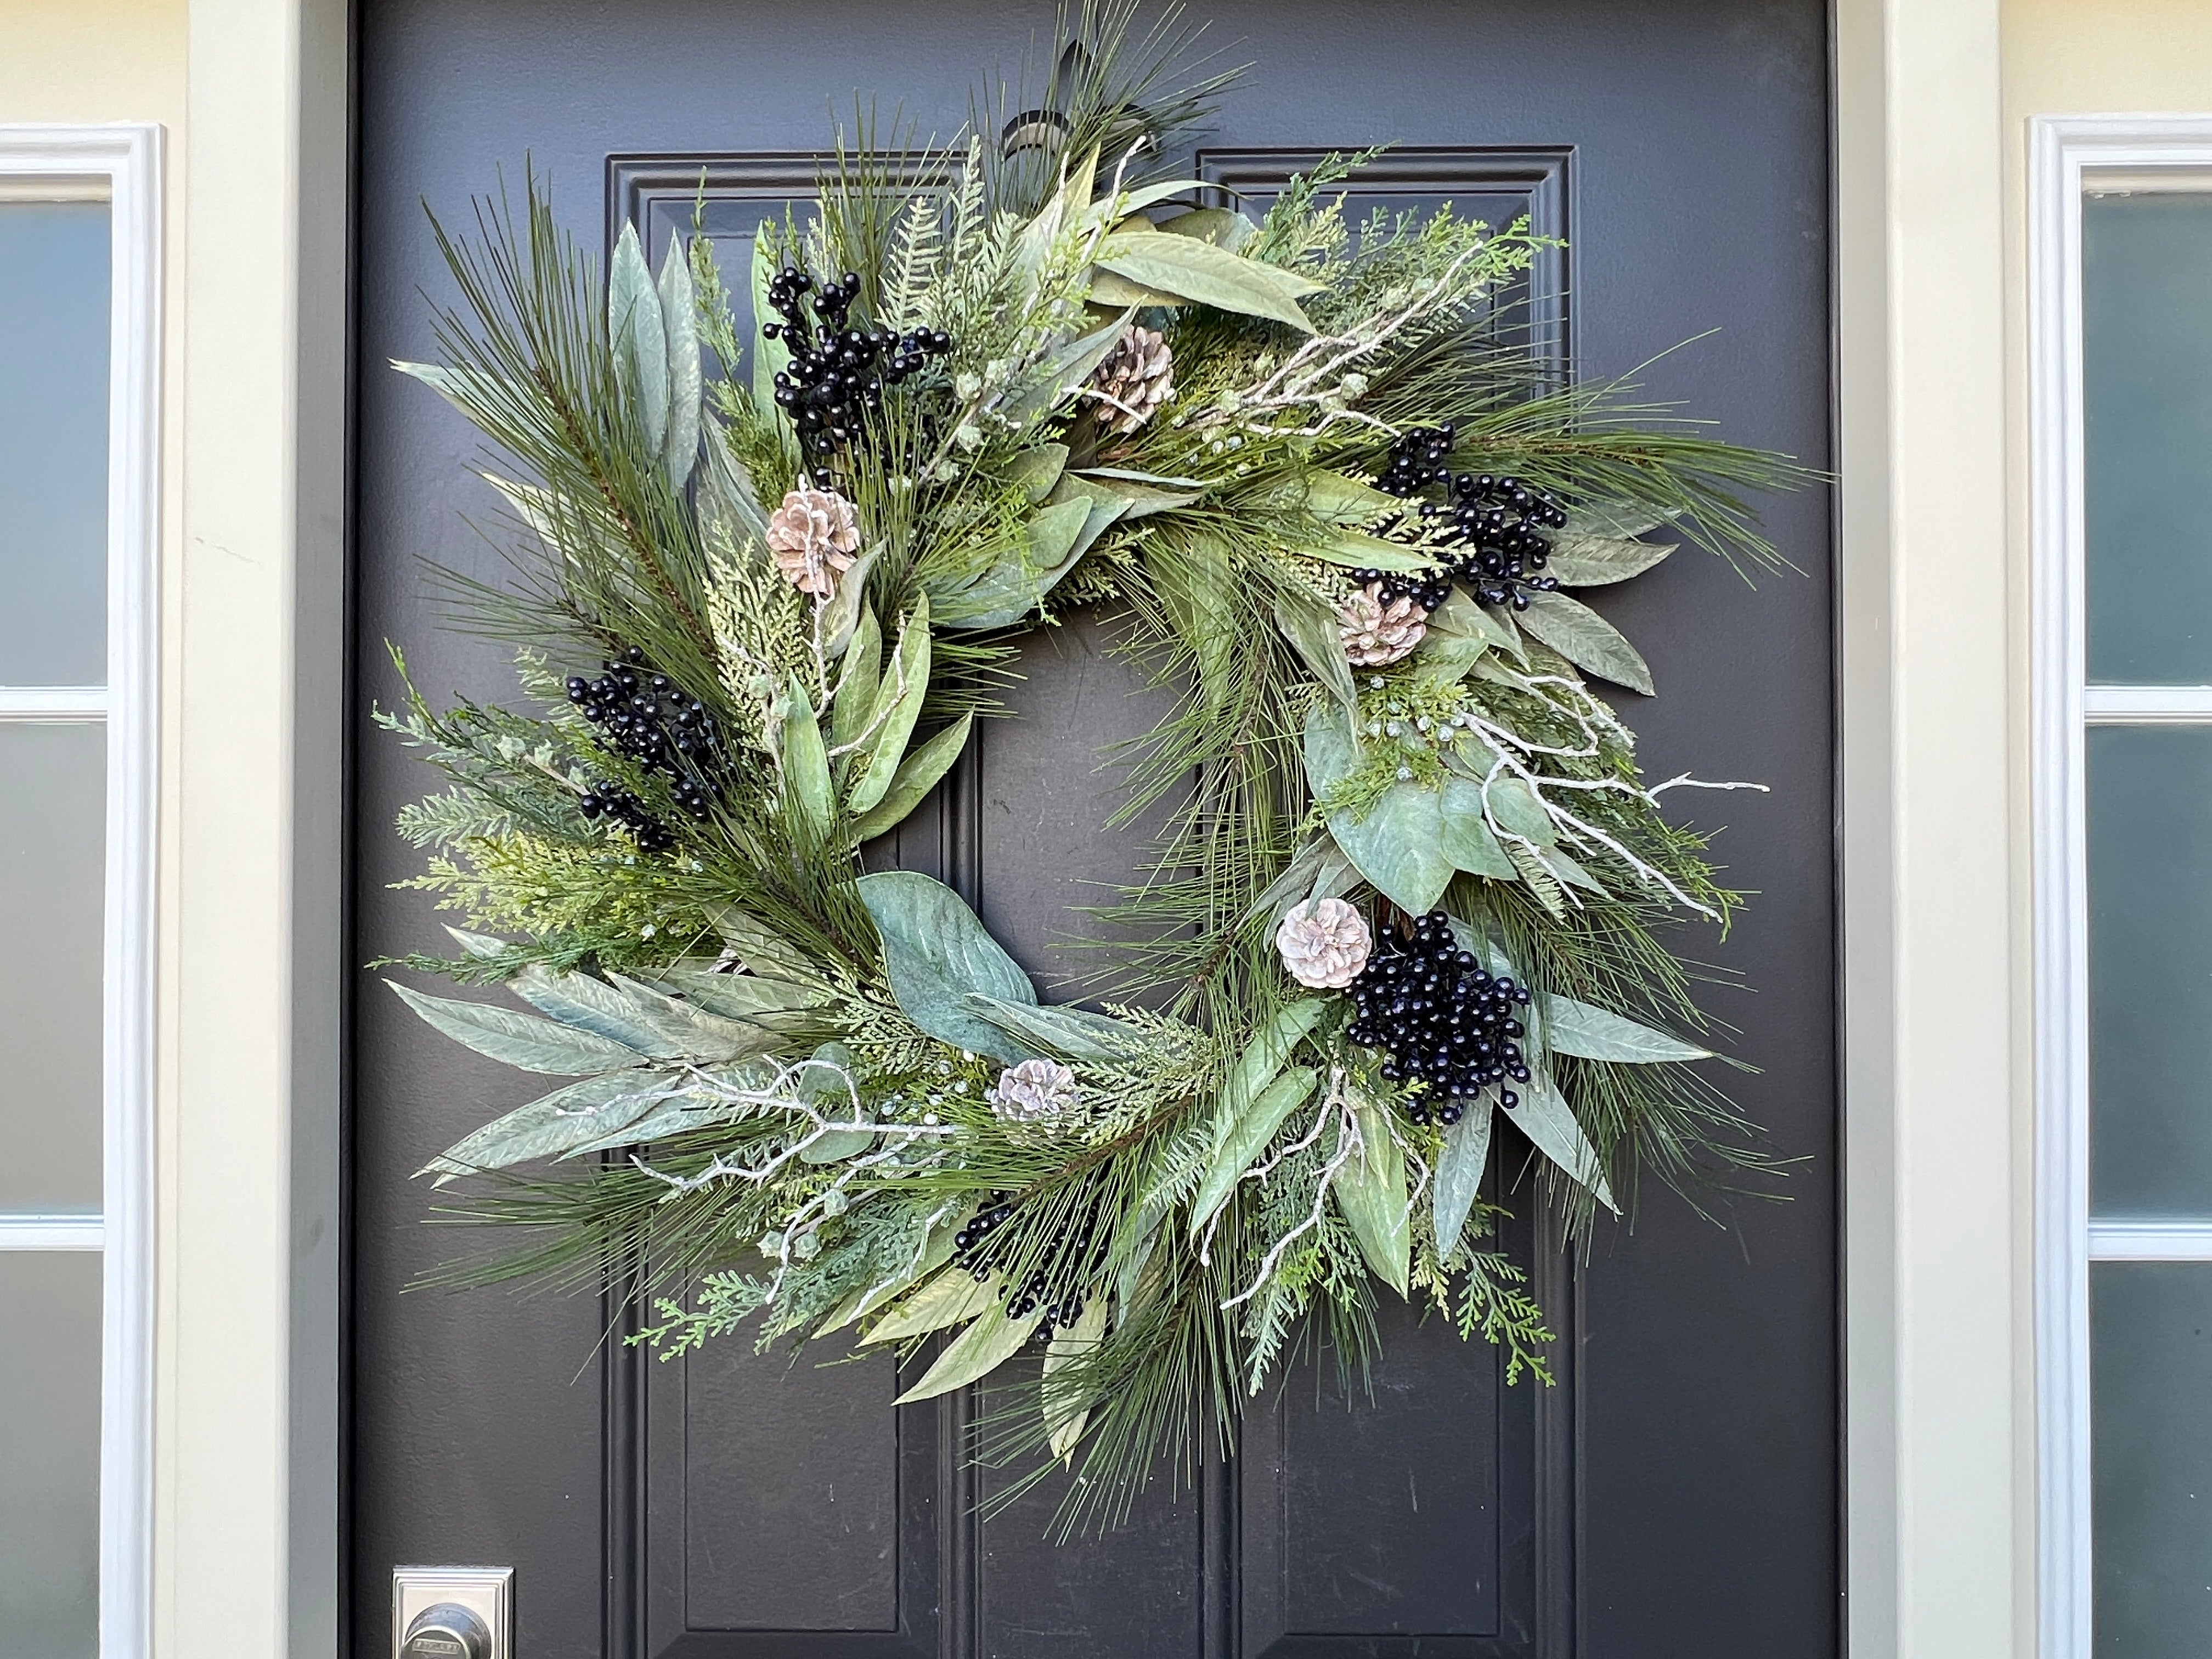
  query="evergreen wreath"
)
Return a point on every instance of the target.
[{"x": 1412, "y": 878}]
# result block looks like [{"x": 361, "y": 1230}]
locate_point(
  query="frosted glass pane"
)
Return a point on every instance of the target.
[
  {"x": 52, "y": 790},
  {"x": 53, "y": 442},
  {"x": 2151, "y": 1449},
  {"x": 49, "y": 1455}
]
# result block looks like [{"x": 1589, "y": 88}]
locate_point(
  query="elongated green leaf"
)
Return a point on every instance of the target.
[
  {"x": 1141, "y": 498},
  {"x": 1152, "y": 195},
  {"x": 640, "y": 339},
  {"x": 1371, "y": 1194},
  {"x": 1061, "y": 373},
  {"x": 1106, "y": 504},
  {"x": 702, "y": 1033},
  {"x": 1263, "y": 1057},
  {"x": 581, "y": 1113},
  {"x": 729, "y": 507},
  {"x": 593, "y": 1005},
  {"x": 1612, "y": 519},
  {"x": 1255, "y": 1126},
  {"x": 936, "y": 1251},
  {"x": 804, "y": 761},
  {"x": 1459, "y": 1174},
  {"x": 1337, "y": 499},
  {"x": 686, "y": 1108},
  {"x": 1594, "y": 561},
  {"x": 1035, "y": 471},
  {"x": 1224, "y": 228},
  {"x": 1543, "y": 1116},
  {"x": 1209, "y": 276},
  {"x": 935, "y": 952},
  {"x": 773, "y": 1005},
  {"x": 465, "y": 390},
  {"x": 679, "y": 316},
  {"x": 1193, "y": 583},
  {"x": 951, "y": 1296},
  {"x": 1025, "y": 572},
  {"x": 1399, "y": 843},
  {"x": 1466, "y": 838},
  {"x": 1514, "y": 805},
  {"x": 523, "y": 1041},
  {"x": 1075, "y": 1032},
  {"x": 1595, "y": 1033},
  {"x": 896, "y": 707},
  {"x": 971, "y": 1356},
  {"x": 858, "y": 681},
  {"x": 1312, "y": 631},
  {"x": 770, "y": 357},
  {"x": 761, "y": 950},
  {"x": 838, "y": 618},
  {"x": 1111, "y": 289},
  {"x": 481, "y": 945},
  {"x": 1586, "y": 640},
  {"x": 1462, "y": 617},
  {"x": 1356, "y": 550},
  {"x": 1064, "y": 1418},
  {"x": 918, "y": 773}
]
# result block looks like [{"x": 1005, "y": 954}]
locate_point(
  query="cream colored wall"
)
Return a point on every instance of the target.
[{"x": 252, "y": 95}]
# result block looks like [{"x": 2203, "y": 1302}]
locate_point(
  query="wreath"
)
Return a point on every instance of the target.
[{"x": 1412, "y": 879}]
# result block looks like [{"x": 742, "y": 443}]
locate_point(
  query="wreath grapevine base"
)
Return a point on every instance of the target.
[{"x": 1412, "y": 878}]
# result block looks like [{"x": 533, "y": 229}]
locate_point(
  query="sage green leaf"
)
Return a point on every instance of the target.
[
  {"x": 936, "y": 1250},
  {"x": 1209, "y": 276},
  {"x": 770, "y": 357},
  {"x": 1108, "y": 288},
  {"x": 1035, "y": 471},
  {"x": 1164, "y": 480},
  {"x": 1543, "y": 1116},
  {"x": 1224, "y": 228},
  {"x": 935, "y": 952},
  {"x": 1570, "y": 870},
  {"x": 858, "y": 681},
  {"x": 551, "y": 1124},
  {"x": 1106, "y": 504},
  {"x": 1193, "y": 583},
  {"x": 729, "y": 506},
  {"x": 1335, "y": 499},
  {"x": 1612, "y": 519},
  {"x": 1141, "y": 498},
  {"x": 761, "y": 949},
  {"x": 1586, "y": 640},
  {"x": 1248, "y": 1137},
  {"x": 1460, "y": 616},
  {"x": 773, "y": 1005},
  {"x": 838, "y": 618},
  {"x": 699, "y": 1033},
  {"x": 1467, "y": 840},
  {"x": 685, "y": 1108},
  {"x": 1152, "y": 195},
  {"x": 1294, "y": 884},
  {"x": 1310, "y": 628},
  {"x": 946, "y": 1300},
  {"x": 1064, "y": 1420},
  {"x": 639, "y": 337},
  {"x": 1263, "y": 1058},
  {"x": 480, "y": 945},
  {"x": 1459, "y": 1174},
  {"x": 1076, "y": 1033},
  {"x": 1370, "y": 1194},
  {"x": 918, "y": 773},
  {"x": 804, "y": 761},
  {"x": 591, "y": 1005},
  {"x": 523, "y": 1041},
  {"x": 1595, "y": 1033},
  {"x": 1060, "y": 374},
  {"x": 896, "y": 707},
  {"x": 1027, "y": 569},
  {"x": 1514, "y": 805},
  {"x": 1594, "y": 561},
  {"x": 973, "y": 1355},
  {"x": 464, "y": 389},
  {"x": 1399, "y": 843},
  {"x": 679, "y": 314},
  {"x": 1356, "y": 550}
]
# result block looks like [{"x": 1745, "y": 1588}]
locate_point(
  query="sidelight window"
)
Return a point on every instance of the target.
[
  {"x": 77, "y": 522},
  {"x": 2123, "y": 796}
]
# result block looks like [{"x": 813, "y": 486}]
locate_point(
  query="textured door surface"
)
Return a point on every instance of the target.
[{"x": 1675, "y": 1492}]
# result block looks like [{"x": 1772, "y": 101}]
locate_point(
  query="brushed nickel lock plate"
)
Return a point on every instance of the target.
[{"x": 452, "y": 1613}]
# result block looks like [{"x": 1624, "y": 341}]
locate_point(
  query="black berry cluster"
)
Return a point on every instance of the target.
[
  {"x": 1039, "y": 1294},
  {"x": 1446, "y": 1021},
  {"x": 612, "y": 800},
  {"x": 646, "y": 717},
  {"x": 837, "y": 373},
  {"x": 1426, "y": 588},
  {"x": 1495, "y": 523},
  {"x": 968, "y": 1242}
]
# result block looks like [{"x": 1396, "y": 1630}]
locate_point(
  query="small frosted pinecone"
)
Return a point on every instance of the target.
[
  {"x": 1376, "y": 630},
  {"x": 1324, "y": 943},
  {"x": 1033, "y": 1090},
  {"x": 1137, "y": 377},
  {"x": 815, "y": 536}
]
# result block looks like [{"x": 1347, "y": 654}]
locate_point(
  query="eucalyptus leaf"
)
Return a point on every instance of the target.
[
  {"x": 1593, "y": 1033},
  {"x": 1076, "y": 1033},
  {"x": 1518, "y": 811},
  {"x": 1459, "y": 1174},
  {"x": 935, "y": 952},
  {"x": 639, "y": 337},
  {"x": 951, "y": 1296},
  {"x": 1398, "y": 843},
  {"x": 679, "y": 315},
  {"x": 1035, "y": 471},
  {"x": 974, "y": 1354},
  {"x": 917, "y": 774},
  {"x": 1248, "y": 1137},
  {"x": 523, "y": 1041},
  {"x": 1543, "y": 1116},
  {"x": 1586, "y": 640},
  {"x": 1594, "y": 561},
  {"x": 571, "y": 1116},
  {"x": 896, "y": 707},
  {"x": 1208, "y": 276},
  {"x": 1465, "y": 837},
  {"x": 1370, "y": 1194}
]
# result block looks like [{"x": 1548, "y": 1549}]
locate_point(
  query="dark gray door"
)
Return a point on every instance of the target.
[{"x": 1676, "y": 1493}]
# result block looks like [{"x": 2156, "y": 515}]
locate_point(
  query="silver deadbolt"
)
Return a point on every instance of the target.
[
  {"x": 447, "y": 1631},
  {"x": 452, "y": 1613}
]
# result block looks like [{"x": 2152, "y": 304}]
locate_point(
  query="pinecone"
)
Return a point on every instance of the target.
[
  {"x": 1033, "y": 1090},
  {"x": 1376, "y": 630},
  {"x": 1324, "y": 943},
  {"x": 1137, "y": 377},
  {"x": 814, "y": 536}
]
